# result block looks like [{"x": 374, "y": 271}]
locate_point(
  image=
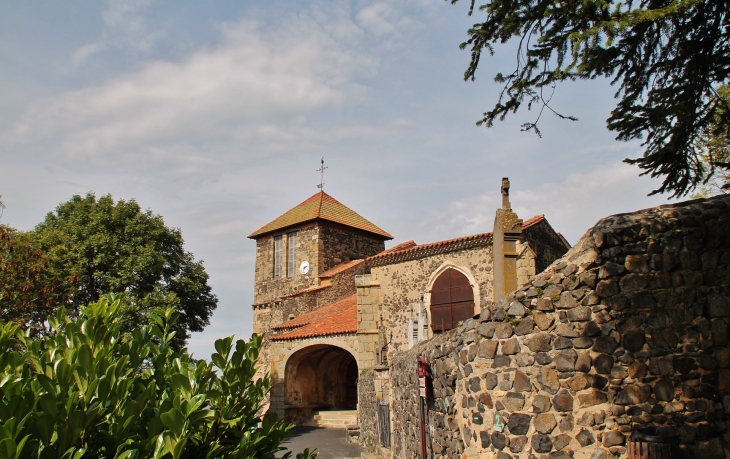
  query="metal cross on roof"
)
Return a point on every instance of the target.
[{"x": 321, "y": 177}]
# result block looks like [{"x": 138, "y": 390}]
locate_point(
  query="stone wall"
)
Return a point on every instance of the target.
[
  {"x": 342, "y": 244},
  {"x": 266, "y": 288},
  {"x": 401, "y": 285},
  {"x": 546, "y": 243},
  {"x": 367, "y": 411},
  {"x": 629, "y": 328}
]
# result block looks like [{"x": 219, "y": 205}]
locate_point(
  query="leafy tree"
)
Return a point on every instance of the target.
[
  {"x": 87, "y": 390},
  {"x": 716, "y": 149},
  {"x": 29, "y": 292},
  {"x": 667, "y": 57},
  {"x": 99, "y": 246}
]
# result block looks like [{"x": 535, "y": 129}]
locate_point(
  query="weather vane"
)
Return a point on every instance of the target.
[{"x": 321, "y": 175}]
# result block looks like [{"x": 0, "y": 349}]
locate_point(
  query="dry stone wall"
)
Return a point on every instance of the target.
[{"x": 629, "y": 328}]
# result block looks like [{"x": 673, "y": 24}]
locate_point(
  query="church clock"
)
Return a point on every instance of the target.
[{"x": 304, "y": 267}]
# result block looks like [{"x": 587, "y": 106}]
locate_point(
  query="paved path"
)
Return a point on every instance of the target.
[{"x": 330, "y": 443}]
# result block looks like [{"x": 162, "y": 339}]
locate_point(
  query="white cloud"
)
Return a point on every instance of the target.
[
  {"x": 253, "y": 86},
  {"x": 571, "y": 206},
  {"x": 125, "y": 28}
]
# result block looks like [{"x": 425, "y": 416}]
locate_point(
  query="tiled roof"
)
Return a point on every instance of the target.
[
  {"x": 333, "y": 319},
  {"x": 321, "y": 206},
  {"x": 533, "y": 221},
  {"x": 412, "y": 251},
  {"x": 306, "y": 290},
  {"x": 340, "y": 268}
]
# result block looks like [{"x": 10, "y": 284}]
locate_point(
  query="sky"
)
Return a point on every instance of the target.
[{"x": 216, "y": 114}]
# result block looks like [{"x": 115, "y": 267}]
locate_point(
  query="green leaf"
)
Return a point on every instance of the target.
[{"x": 173, "y": 420}]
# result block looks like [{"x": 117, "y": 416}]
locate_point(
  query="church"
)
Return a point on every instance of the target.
[{"x": 333, "y": 302}]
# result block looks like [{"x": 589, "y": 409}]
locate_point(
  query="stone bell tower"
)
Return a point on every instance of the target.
[{"x": 506, "y": 234}]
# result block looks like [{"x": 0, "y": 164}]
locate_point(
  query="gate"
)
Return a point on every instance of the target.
[{"x": 384, "y": 422}]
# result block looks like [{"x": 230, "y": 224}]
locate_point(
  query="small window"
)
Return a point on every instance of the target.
[
  {"x": 291, "y": 240},
  {"x": 277, "y": 257}
]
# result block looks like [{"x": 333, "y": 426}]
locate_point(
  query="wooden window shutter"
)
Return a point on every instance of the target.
[{"x": 452, "y": 300}]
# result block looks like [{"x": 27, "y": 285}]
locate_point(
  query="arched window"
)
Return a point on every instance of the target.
[{"x": 452, "y": 300}]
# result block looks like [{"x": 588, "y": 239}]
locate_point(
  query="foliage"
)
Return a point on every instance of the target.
[
  {"x": 87, "y": 390},
  {"x": 99, "y": 246},
  {"x": 716, "y": 150},
  {"x": 666, "y": 56},
  {"x": 28, "y": 291}
]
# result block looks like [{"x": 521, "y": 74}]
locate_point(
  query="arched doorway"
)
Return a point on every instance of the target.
[
  {"x": 452, "y": 300},
  {"x": 318, "y": 378}
]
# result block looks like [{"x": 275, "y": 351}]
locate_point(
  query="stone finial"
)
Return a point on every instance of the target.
[{"x": 505, "y": 193}]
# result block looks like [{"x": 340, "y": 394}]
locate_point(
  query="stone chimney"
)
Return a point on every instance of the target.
[{"x": 507, "y": 231}]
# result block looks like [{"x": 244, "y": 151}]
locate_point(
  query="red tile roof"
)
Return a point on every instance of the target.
[
  {"x": 412, "y": 251},
  {"x": 333, "y": 319},
  {"x": 306, "y": 290},
  {"x": 321, "y": 206},
  {"x": 533, "y": 221},
  {"x": 340, "y": 268}
]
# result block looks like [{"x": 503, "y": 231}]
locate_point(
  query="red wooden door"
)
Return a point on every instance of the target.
[{"x": 452, "y": 300}]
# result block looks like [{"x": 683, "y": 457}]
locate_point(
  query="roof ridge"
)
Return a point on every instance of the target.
[{"x": 321, "y": 198}]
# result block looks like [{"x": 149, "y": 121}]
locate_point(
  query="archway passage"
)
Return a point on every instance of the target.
[
  {"x": 452, "y": 300},
  {"x": 319, "y": 378}
]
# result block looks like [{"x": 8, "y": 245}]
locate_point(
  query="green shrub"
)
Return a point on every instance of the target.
[{"x": 86, "y": 390}]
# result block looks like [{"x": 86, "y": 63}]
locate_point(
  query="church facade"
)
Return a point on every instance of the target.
[{"x": 333, "y": 302}]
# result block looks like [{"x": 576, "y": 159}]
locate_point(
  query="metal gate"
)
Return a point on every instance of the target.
[{"x": 384, "y": 422}]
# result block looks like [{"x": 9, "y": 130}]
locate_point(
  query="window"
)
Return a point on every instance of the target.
[
  {"x": 277, "y": 257},
  {"x": 291, "y": 240}
]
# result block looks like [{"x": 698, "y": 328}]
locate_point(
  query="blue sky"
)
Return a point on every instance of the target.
[{"x": 215, "y": 115}]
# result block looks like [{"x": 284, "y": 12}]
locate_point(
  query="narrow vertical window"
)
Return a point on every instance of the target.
[
  {"x": 291, "y": 239},
  {"x": 277, "y": 257}
]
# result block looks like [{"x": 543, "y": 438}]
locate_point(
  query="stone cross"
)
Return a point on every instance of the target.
[{"x": 505, "y": 193}]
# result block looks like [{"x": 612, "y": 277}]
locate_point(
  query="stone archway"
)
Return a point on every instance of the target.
[{"x": 320, "y": 377}]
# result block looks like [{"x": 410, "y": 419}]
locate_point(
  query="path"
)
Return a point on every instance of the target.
[{"x": 330, "y": 443}]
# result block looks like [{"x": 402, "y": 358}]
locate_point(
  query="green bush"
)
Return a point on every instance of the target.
[{"x": 87, "y": 390}]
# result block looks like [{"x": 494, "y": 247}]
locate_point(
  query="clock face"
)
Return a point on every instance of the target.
[{"x": 304, "y": 267}]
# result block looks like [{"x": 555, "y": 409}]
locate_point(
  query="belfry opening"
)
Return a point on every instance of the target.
[{"x": 319, "y": 378}]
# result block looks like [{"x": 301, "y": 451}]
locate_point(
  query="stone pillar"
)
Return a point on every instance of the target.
[
  {"x": 507, "y": 231},
  {"x": 368, "y": 319}
]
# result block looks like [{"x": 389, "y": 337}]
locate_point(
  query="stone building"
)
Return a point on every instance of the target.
[
  {"x": 333, "y": 302},
  {"x": 629, "y": 328}
]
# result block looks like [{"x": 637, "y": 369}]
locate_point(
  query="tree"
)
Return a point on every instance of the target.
[
  {"x": 99, "y": 246},
  {"x": 667, "y": 57},
  {"x": 716, "y": 149},
  {"x": 88, "y": 390},
  {"x": 29, "y": 292}
]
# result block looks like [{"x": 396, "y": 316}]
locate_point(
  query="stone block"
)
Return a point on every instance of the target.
[
  {"x": 510, "y": 346},
  {"x": 541, "y": 443},
  {"x": 545, "y": 423},
  {"x": 563, "y": 401},
  {"x": 513, "y": 401},
  {"x": 613, "y": 438},
  {"x": 539, "y": 342},
  {"x": 544, "y": 304},
  {"x": 486, "y": 329},
  {"x": 543, "y": 320},
  {"x": 503, "y": 330},
  {"x": 541, "y": 403},
  {"x": 717, "y": 306},
  {"x": 518, "y": 423},
  {"x": 591, "y": 397},
  {"x": 522, "y": 382},
  {"x": 487, "y": 349},
  {"x": 579, "y": 314}
]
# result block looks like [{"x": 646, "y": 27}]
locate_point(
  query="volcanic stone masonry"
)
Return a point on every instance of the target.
[{"x": 629, "y": 328}]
